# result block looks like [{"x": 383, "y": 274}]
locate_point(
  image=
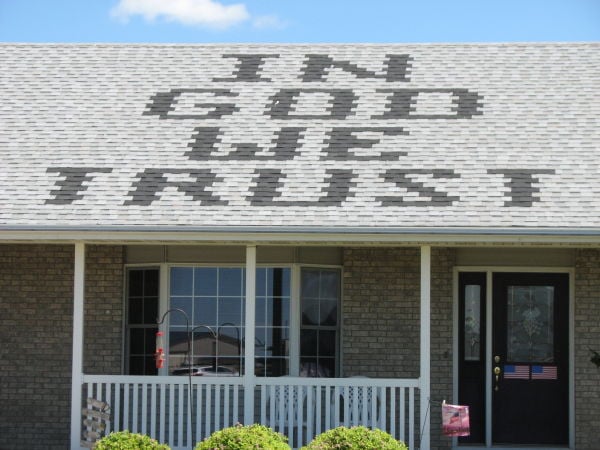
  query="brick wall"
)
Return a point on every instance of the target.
[
  {"x": 587, "y": 335},
  {"x": 103, "y": 310},
  {"x": 36, "y": 304},
  {"x": 380, "y": 323},
  {"x": 381, "y": 317}
]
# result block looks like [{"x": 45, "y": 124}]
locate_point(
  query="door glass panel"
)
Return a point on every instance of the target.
[
  {"x": 472, "y": 322},
  {"x": 530, "y": 327}
]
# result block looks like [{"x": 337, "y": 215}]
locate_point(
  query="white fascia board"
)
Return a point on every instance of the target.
[{"x": 564, "y": 236}]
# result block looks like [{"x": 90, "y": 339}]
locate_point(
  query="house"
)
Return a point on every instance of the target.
[{"x": 392, "y": 226}]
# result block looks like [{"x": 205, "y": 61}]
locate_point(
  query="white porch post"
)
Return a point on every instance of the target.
[
  {"x": 77, "y": 368},
  {"x": 425, "y": 356},
  {"x": 250, "y": 319}
]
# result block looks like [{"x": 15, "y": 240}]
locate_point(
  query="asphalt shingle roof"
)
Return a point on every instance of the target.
[{"x": 503, "y": 135}]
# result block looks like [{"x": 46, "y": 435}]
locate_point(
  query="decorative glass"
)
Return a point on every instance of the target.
[
  {"x": 472, "y": 322},
  {"x": 530, "y": 324}
]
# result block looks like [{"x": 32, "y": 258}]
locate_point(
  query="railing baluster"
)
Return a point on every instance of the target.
[
  {"x": 163, "y": 408},
  {"x": 310, "y": 413},
  {"x": 226, "y": 389},
  {"x": 171, "y": 409},
  {"x": 126, "y": 408},
  {"x": 217, "y": 390},
  {"x": 263, "y": 404},
  {"x": 411, "y": 417},
  {"x": 144, "y": 408},
  {"x": 134, "y": 416},
  {"x": 110, "y": 402},
  {"x": 117, "y": 407},
  {"x": 153, "y": 411},
  {"x": 180, "y": 411},
  {"x": 199, "y": 435},
  {"x": 207, "y": 423},
  {"x": 318, "y": 410},
  {"x": 236, "y": 403},
  {"x": 393, "y": 412},
  {"x": 382, "y": 409},
  {"x": 297, "y": 419},
  {"x": 402, "y": 417}
]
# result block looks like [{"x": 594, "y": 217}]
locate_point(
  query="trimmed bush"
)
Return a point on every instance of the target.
[
  {"x": 124, "y": 440},
  {"x": 249, "y": 437},
  {"x": 355, "y": 438}
]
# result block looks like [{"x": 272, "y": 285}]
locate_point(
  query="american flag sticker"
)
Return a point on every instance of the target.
[
  {"x": 516, "y": 372},
  {"x": 544, "y": 373}
]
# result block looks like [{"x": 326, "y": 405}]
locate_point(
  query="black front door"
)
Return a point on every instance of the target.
[{"x": 530, "y": 360}]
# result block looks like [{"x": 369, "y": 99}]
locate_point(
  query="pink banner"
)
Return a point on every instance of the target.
[{"x": 455, "y": 420}]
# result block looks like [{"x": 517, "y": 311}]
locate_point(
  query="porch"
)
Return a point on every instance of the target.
[{"x": 301, "y": 407}]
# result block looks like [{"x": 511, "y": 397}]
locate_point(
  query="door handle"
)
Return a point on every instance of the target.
[{"x": 497, "y": 372}]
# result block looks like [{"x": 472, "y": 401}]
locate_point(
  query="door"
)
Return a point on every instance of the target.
[{"x": 530, "y": 360}]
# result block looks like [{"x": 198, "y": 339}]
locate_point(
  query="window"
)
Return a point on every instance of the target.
[
  {"x": 142, "y": 311},
  {"x": 213, "y": 299},
  {"x": 273, "y": 303},
  {"x": 319, "y": 327}
]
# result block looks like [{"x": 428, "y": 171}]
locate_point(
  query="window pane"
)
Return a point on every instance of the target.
[
  {"x": 327, "y": 343},
  {"x": 205, "y": 281},
  {"x": 183, "y": 303},
  {"x": 330, "y": 285},
  {"x": 136, "y": 310},
  {"x": 310, "y": 283},
  {"x": 136, "y": 341},
  {"x": 230, "y": 311},
  {"x": 230, "y": 282},
  {"x": 205, "y": 311},
  {"x": 328, "y": 312},
  {"x": 261, "y": 311},
  {"x": 530, "y": 327},
  {"x": 310, "y": 312},
  {"x": 151, "y": 283},
  {"x": 308, "y": 342},
  {"x": 150, "y": 310},
  {"x": 181, "y": 280},
  {"x": 136, "y": 283},
  {"x": 472, "y": 322}
]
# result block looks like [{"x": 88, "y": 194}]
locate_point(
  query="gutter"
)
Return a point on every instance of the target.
[{"x": 133, "y": 234}]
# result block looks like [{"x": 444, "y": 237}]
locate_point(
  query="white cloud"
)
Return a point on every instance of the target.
[
  {"x": 208, "y": 13},
  {"x": 262, "y": 22}
]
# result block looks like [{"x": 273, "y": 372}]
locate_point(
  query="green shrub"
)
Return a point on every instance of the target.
[
  {"x": 124, "y": 440},
  {"x": 249, "y": 437},
  {"x": 355, "y": 438}
]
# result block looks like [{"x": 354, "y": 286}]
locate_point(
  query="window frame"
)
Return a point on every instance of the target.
[{"x": 295, "y": 306}]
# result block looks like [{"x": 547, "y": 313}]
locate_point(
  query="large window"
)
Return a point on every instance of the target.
[
  {"x": 214, "y": 299},
  {"x": 141, "y": 313}
]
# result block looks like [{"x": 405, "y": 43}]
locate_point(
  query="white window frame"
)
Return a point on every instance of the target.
[{"x": 295, "y": 311}]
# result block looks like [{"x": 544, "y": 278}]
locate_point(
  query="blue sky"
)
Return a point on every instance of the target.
[{"x": 299, "y": 20}]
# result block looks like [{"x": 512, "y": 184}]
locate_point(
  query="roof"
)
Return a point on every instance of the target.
[{"x": 315, "y": 136}]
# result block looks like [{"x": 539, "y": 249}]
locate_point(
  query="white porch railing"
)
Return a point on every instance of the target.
[{"x": 300, "y": 408}]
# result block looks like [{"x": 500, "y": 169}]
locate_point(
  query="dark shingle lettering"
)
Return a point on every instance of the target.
[
  {"x": 432, "y": 197},
  {"x": 342, "y": 139},
  {"x": 520, "y": 184},
  {"x": 164, "y": 102},
  {"x": 316, "y": 68},
  {"x": 152, "y": 181},
  {"x": 268, "y": 186},
  {"x": 341, "y": 104},
  {"x": 205, "y": 140},
  {"x": 71, "y": 187},
  {"x": 248, "y": 68}
]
